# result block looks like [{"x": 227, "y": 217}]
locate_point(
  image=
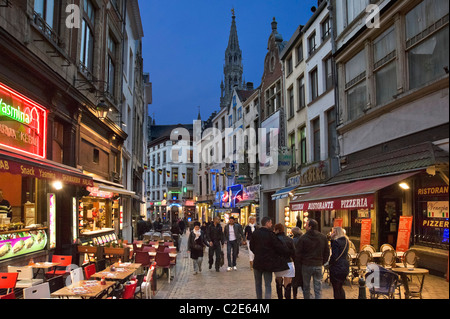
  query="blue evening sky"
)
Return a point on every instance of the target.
[{"x": 184, "y": 48}]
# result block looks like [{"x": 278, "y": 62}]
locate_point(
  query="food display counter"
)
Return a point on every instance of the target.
[
  {"x": 98, "y": 237},
  {"x": 19, "y": 242}
]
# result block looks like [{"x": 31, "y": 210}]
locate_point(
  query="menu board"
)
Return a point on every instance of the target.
[
  {"x": 338, "y": 222},
  {"x": 21, "y": 243},
  {"x": 404, "y": 233},
  {"x": 366, "y": 229}
]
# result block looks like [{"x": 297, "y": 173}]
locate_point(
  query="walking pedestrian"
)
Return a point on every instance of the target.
[
  {"x": 284, "y": 278},
  {"x": 141, "y": 227},
  {"x": 297, "y": 282},
  {"x": 248, "y": 231},
  {"x": 267, "y": 249},
  {"x": 182, "y": 226},
  {"x": 339, "y": 265},
  {"x": 196, "y": 246},
  {"x": 233, "y": 236},
  {"x": 313, "y": 252},
  {"x": 215, "y": 238}
]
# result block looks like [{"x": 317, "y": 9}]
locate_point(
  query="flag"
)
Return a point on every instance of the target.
[
  {"x": 160, "y": 171},
  {"x": 153, "y": 169},
  {"x": 184, "y": 175},
  {"x": 168, "y": 173}
]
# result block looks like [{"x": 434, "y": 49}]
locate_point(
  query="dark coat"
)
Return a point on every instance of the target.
[
  {"x": 192, "y": 242},
  {"x": 289, "y": 242},
  {"x": 248, "y": 232},
  {"x": 312, "y": 249},
  {"x": 298, "y": 279},
  {"x": 268, "y": 249},
  {"x": 339, "y": 266},
  {"x": 237, "y": 232},
  {"x": 215, "y": 234}
]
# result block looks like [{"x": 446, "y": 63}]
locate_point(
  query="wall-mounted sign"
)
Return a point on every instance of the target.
[
  {"x": 21, "y": 243},
  {"x": 312, "y": 174},
  {"x": 23, "y": 123}
]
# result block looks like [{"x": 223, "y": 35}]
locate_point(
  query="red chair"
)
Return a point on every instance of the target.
[
  {"x": 8, "y": 281},
  {"x": 62, "y": 269},
  {"x": 148, "y": 249},
  {"x": 161, "y": 248},
  {"x": 129, "y": 290},
  {"x": 11, "y": 295},
  {"x": 89, "y": 270},
  {"x": 143, "y": 258},
  {"x": 170, "y": 250},
  {"x": 163, "y": 261}
]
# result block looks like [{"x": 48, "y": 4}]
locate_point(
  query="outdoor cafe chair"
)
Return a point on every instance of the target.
[
  {"x": 163, "y": 261},
  {"x": 25, "y": 278},
  {"x": 386, "y": 247},
  {"x": 41, "y": 291},
  {"x": 147, "y": 248},
  {"x": 369, "y": 248},
  {"x": 409, "y": 259},
  {"x": 100, "y": 265},
  {"x": 146, "y": 285},
  {"x": 8, "y": 281},
  {"x": 381, "y": 282},
  {"x": 143, "y": 258},
  {"x": 363, "y": 258},
  {"x": 62, "y": 268},
  {"x": 129, "y": 290},
  {"x": 388, "y": 258},
  {"x": 11, "y": 295},
  {"x": 89, "y": 270},
  {"x": 56, "y": 283},
  {"x": 76, "y": 275}
]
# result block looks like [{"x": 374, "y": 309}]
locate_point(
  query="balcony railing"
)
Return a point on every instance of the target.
[{"x": 174, "y": 184}]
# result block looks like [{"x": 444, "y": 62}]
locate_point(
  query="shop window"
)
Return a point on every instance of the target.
[
  {"x": 385, "y": 67},
  {"x": 355, "y": 85},
  {"x": 427, "y": 42}
]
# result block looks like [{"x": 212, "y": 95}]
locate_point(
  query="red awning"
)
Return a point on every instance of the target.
[
  {"x": 354, "y": 195},
  {"x": 42, "y": 169}
]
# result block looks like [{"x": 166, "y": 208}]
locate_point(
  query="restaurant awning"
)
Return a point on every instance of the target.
[
  {"x": 107, "y": 186},
  {"x": 43, "y": 169},
  {"x": 283, "y": 193},
  {"x": 354, "y": 195}
]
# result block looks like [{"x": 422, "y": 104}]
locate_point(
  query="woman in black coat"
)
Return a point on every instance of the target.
[
  {"x": 196, "y": 245},
  {"x": 339, "y": 265}
]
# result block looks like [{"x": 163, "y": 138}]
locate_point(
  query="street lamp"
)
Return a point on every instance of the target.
[{"x": 102, "y": 110}]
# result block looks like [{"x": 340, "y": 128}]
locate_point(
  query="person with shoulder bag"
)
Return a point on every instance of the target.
[
  {"x": 196, "y": 246},
  {"x": 339, "y": 265}
]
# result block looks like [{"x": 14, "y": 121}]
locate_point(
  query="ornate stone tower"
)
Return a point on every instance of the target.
[{"x": 233, "y": 68}]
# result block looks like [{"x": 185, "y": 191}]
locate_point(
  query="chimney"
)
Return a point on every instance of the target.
[{"x": 249, "y": 86}]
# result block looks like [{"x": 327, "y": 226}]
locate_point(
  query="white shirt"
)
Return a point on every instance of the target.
[{"x": 232, "y": 235}]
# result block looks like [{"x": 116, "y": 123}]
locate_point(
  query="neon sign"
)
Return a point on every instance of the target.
[{"x": 23, "y": 123}]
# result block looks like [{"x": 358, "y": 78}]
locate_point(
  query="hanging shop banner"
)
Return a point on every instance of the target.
[
  {"x": 404, "y": 233},
  {"x": 23, "y": 123},
  {"x": 366, "y": 229},
  {"x": 17, "y": 168},
  {"x": 345, "y": 203}
]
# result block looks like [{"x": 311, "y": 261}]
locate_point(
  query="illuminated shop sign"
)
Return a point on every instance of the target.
[
  {"x": 232, "y": 196},
  {"x": 23, "y": 123}
]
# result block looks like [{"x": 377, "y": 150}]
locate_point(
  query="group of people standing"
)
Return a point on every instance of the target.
[{"x": 294, "y": 262}]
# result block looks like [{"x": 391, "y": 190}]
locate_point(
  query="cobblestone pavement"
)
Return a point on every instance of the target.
[{"x": 239, "y": 284}]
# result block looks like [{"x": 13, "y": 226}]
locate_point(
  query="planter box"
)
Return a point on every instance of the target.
[{"x": 123, "y": 253}]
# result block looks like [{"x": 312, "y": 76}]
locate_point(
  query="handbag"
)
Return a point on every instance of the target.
[{"x": 222, "y": 259}]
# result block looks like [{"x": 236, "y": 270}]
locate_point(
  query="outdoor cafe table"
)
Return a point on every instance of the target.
[
  {"x": 404, "y": 272},
  {"x": 90, "y": 289},
  {"x": 43, "y": 266},
  {"x": 120, "y": 274},
  {"x": 127, "y": 265}
]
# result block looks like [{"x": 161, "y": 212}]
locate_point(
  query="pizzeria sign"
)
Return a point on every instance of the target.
[{"x": 366, "y": 202}]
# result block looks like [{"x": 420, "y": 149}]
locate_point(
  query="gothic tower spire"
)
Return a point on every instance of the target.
[{"x": 233, "y": 68}]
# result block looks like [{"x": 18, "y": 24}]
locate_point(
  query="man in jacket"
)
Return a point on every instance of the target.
[
  {"x": 267, "y": 249},
  {"x": 233, "y": 236},
  {"x": 312, "y": 252},
  {"x": 215, "y": 238}
]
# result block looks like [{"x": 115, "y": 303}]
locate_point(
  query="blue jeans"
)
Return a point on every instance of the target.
[
  {"x": 267, "y": 283},
  {"x": 316, "y": 273},
  {"x": 232, "y": 250}
]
